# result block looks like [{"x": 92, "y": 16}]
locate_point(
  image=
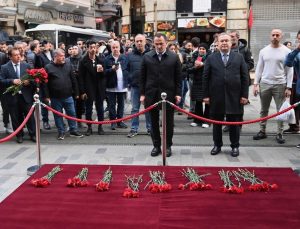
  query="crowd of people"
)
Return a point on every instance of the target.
[{"x": 93, "y": 73}]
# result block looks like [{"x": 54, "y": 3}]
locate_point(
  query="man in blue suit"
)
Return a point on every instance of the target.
[{"x": 19, "y": 104}]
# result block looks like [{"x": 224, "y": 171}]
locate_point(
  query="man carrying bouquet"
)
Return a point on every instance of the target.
[{"x": 18, "y": 103}]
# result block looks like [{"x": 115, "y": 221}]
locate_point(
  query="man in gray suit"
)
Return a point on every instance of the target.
[
  {"x": 226, "y": 82},
  {"x": 19, "y": 104}
]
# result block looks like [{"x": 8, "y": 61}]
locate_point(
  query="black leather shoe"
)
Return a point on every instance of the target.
[
  {"x": 100, "y": 130},
  {"x": 155, "y": 151},
  {"x": 19, "y": 139},
  {"x": 215, "y": 150},
  {"x": 280, "y": 139},
  {"x": 169, "y": 152},
  {"x": 260, "y": 135},
  {"x": 89, "y": 131},
  {"x": 32, "y": 138},
  {"x": 235, "y": 152}
]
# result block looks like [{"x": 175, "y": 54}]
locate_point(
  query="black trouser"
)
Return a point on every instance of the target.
[
  {"x": 17, "y": 113},
  {"x": 199, "y": 111},
  {"x": 155, "y": 132},
  {"x": 234, "y": 130},
  {"x": 79, "y": 107},
  {"x": 5, "y": 112},
  {"x": 294, "y": 99}
]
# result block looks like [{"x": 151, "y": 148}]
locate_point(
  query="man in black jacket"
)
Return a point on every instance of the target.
[
  {"x": 92, "y": 84},
  {"x": 134, "y": 69},
  {"x": 59, "y": 89},
  {"x": 160, "y": 72},
  {"x": 225, "y": 87}
]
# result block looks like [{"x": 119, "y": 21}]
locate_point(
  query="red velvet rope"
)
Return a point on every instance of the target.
[
  {"x": 100, "y": 122},
  {"x": 7, "y": 138},
  {"x": 233, "y": 123}
]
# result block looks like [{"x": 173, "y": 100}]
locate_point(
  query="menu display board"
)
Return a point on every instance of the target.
[
  {"x": 207, "y": 22},
  {"x": 125, "y": 29}
]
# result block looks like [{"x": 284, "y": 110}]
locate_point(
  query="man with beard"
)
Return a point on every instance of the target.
[
  {"x": 92, "y": 84},
  {"x": 272, "y": 80}
]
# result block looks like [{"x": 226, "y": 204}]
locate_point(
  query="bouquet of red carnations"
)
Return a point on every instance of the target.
[
  {"x": 158, "y": 182},
  {"x": 103, "y": 185},
  {"x": 80, "y": 180},
  {"x": 132, "y": 190},
  {"x": 195, "y": 180},
  {"x": 33, "y": 75},
  {"x": 46, "y": 180},
  {"x": 229, "y": 186}
]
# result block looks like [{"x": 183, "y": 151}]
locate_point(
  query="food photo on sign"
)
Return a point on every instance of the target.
[
  {"x": 148, "y": 27},
  {"x": 171, "y": 35},
  {"x": 218, "y": 21},
  {"x": 165, "y": 25},
  {"x": 125, "y": 29}
]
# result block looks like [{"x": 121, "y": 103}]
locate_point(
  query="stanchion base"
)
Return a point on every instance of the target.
[
  {"x": 160, "y": 163},
  {"x": 31, "y": 170},
  {"x": 297, "y": 171}
]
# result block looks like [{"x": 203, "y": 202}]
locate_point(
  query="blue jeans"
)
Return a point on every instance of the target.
[
  {"x": 184, "y": 90},
  {"x": 114, "y": 98},
  {"x": 68, "y": 105},
  {"x": 135, "y": 101}
]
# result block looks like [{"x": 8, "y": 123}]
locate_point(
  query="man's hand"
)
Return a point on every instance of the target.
[
  {"x": 84, "y": 96},
  {"x": 287, "y": 92},
  {"x": 255, "y": 89},
  {"x": 26, "y": 82},
  {"x": 177, "y": 99},
  {"x": 198, "y": 64},
  {"x": 243, "y": 101},
  {"x": 142, "y": 99},
  {"x": 17, "y": 82},
  {"x": 206, "y": 100}
]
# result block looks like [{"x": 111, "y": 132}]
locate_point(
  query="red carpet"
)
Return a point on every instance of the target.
[{"x": 58, "y": 206}]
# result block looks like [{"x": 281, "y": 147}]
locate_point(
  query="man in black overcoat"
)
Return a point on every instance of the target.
[
  {"x": 160, "y": 72},
  {"x": 226, "y": 82}
]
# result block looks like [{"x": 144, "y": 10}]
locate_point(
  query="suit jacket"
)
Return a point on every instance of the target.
[
  {"x": 90, "y": 81},
  {"x": 160, "y": 76},
  {"x": 8, "y": 74},
  {"x": 225, "y": 85}
]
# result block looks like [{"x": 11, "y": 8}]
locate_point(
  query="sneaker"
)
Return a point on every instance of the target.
[
  {"x": 193, "y": 124},
  {"x": 76, "y": 134},
  {"x": 113, "y": 126},
  {"x": 205, "y": 125},
  {"x": 121, "y": 125},
  {"x": 8, "y": 130},
  {"x": 226, "y": 129},
  {"x": 298, "y": 146},
  {"x": 280, "y": 139},
  {"x": 46, "y": 126},
  {"x": 149, "y": 132},
  {"x": 132, "y": 133},
  {"x": 291, "y": 130},
  {"x": 260, "y": 135},
  {"x": 61, "y": 136}
]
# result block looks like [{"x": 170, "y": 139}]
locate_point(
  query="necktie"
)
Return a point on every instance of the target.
[
  {"x": 17, "y": 70},
  {"x": 159, "y": 56},
  {"x": 225, "y": 59}
]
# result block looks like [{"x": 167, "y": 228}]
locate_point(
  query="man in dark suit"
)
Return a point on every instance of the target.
[
  {"x": 19, "y": 104},
  {"x": 225, "y": 84},
  {"x": 160, "y": 72}
]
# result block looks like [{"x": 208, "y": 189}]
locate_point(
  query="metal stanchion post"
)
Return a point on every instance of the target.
[
  {"x": 31, "y": 170},
  {"x": 164, "y": 127}
]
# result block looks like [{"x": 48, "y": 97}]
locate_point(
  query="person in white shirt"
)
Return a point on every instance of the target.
[{"x": 272, "y": 80}]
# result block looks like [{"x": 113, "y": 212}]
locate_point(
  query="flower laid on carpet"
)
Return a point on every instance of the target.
[
  {"x": 80, "y": 180},
  {"x": 158, "y": 182},
  {"x": 133, "y": 183},
  {"x": 229, "y": 186},
  {"x": 33, "y": 75},
  {"x": 257, "y": 185},
  {"x": 195, "y": 180},
  {"x": 103, "y": 185},
  {"x": 46, "y": 180}
]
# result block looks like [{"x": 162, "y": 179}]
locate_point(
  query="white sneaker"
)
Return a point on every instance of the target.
[
  {"x": 8, "y": 130},
  {"x": 193, "y": 124},
  {"x": 204, "y": 125}
]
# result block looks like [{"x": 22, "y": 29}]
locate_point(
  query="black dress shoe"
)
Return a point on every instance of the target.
[
  {"x": 100, "y": 130},
  {"x": 169, "y": 152},
  {"x": 19, "y": 139},
  {"x": 89, "y": 131},
  {"x": 32, "y": 138},
  {"x": 235, "y": 152},
  {"x": 215, "y": 150},
  {"x": 155, "y": 151}
]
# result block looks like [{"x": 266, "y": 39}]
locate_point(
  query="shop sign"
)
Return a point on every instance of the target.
[
  {"x": 204, "y": 22},
  {"x": 33, "y": 15},
  {"x": 168, "y": 28},
  {"x": 201, "y": 6},
  {"x": 76, "y": 18}
]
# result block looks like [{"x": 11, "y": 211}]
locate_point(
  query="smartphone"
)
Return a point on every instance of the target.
[{"x": 117, "y": 64}]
